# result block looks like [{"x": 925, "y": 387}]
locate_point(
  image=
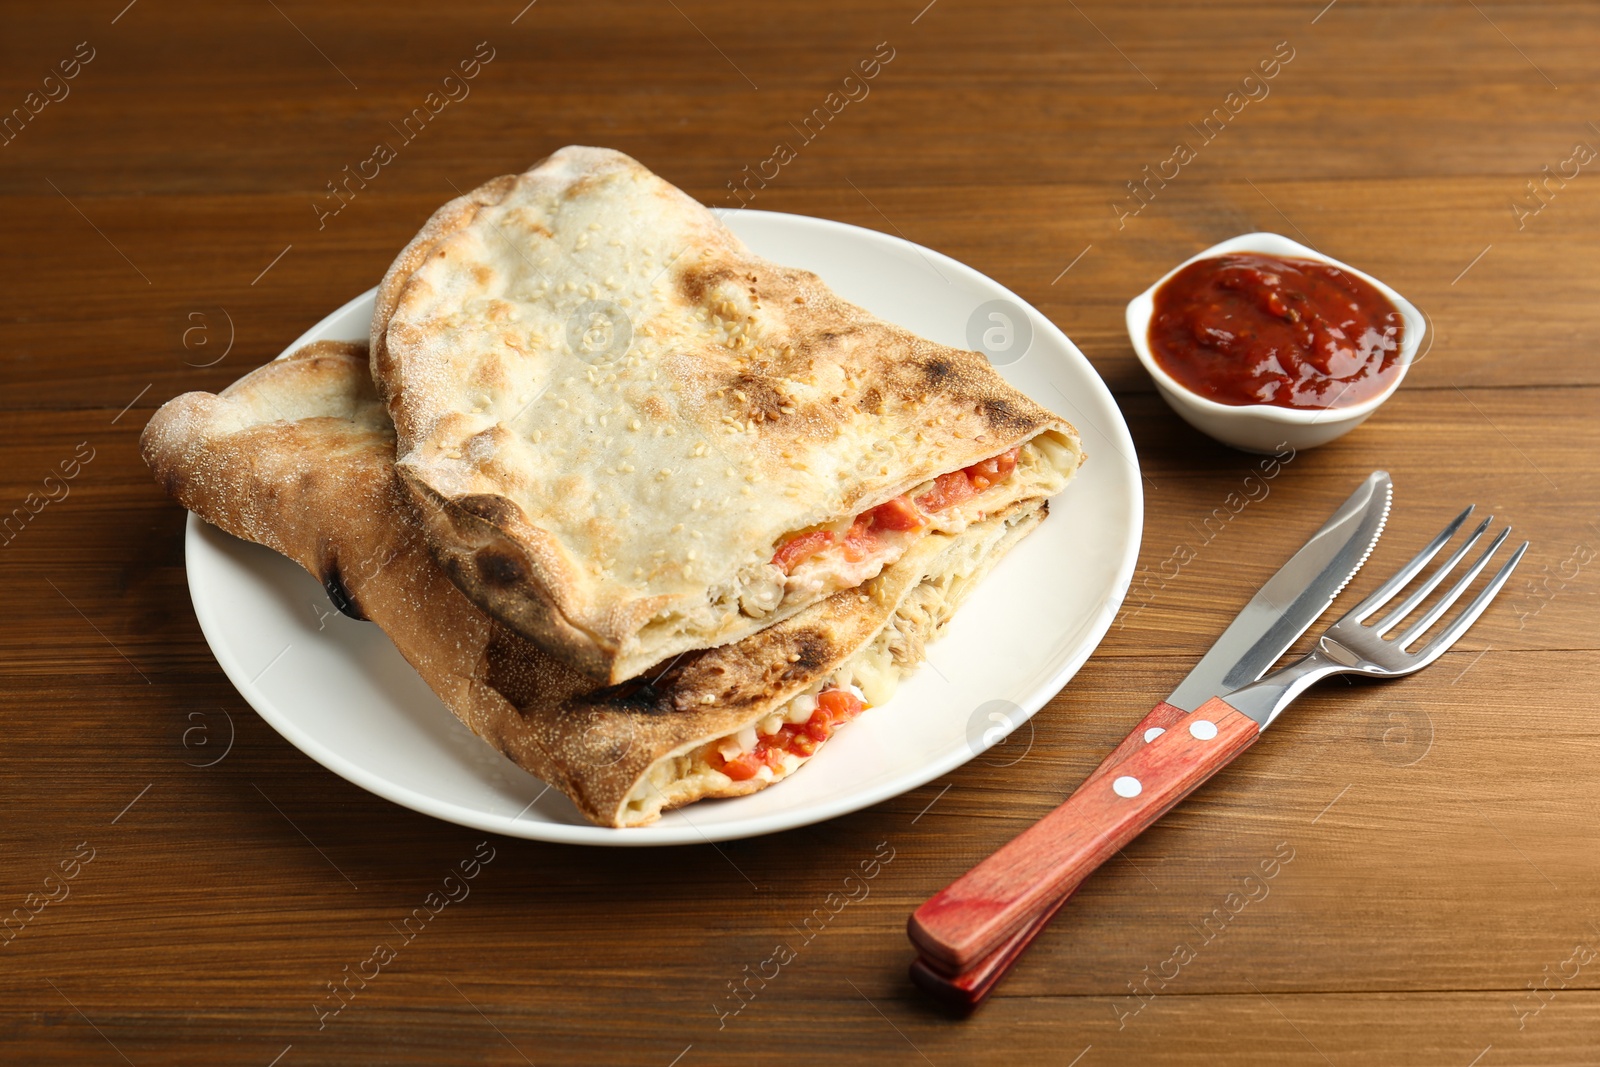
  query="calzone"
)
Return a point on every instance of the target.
[
  {"x": 299, "y": 455},
  {"x": 629, "y": 437}
]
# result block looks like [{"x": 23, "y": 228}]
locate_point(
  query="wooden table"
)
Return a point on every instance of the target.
[{"x": 169, "y": 225}]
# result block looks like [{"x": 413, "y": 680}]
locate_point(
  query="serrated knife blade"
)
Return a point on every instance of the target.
[{"x": 1292, "y": 599}]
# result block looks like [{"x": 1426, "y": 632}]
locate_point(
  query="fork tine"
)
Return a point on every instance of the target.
[
  {"x": 1393, "y": 619},
  {"x": 1385, "y": 592},
  {"x": 1441, "y": 643},
  {"x": 1415, "y": 630}
]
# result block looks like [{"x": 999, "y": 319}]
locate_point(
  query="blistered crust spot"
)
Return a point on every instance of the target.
[
  {"x": 339, "y": 595},
  {"x": 491, "y": 508},
  {"x": 498, "y": 567},
  {"x": 174, "y": 482},
  {"x": 694, "y": 283},
  {"x": 1003, "y": 416}
]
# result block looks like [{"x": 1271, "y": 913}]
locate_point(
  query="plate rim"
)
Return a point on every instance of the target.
[{"x": 774, "y": 822}]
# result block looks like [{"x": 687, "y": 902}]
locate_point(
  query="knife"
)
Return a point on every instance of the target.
[{"x": 968, "y": 940}]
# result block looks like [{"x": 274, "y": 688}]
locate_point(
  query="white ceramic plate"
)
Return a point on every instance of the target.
[{"x": 339, "y": 691}]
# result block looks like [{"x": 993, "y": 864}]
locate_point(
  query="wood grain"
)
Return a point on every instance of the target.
[{"x": 1442, "y": 832}]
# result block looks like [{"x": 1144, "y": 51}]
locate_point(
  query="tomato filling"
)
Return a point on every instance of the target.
[
  {"x": 897, "y": 514},
  {"x": 900, "y": 514},
  {"x": 958, "y": 486},
  {"x": 834, "y": 706},
  {"x": 800, "y": 548}
]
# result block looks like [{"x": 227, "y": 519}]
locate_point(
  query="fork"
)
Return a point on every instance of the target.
[{"x": 971, "y": 932}]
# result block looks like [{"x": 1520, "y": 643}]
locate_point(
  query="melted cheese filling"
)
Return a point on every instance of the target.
[
  {"x": 761, "y": 590},
  {"x": 873, "y": 674},
  {"x": 1043, "y": 466}
]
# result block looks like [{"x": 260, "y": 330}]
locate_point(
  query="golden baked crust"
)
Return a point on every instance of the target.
[
  {"x": 616, "y": 498},
  {"x": 299, "y": 455}
]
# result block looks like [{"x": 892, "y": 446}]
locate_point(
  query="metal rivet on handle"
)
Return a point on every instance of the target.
[
  {"x": 1203, "y": 729},
  {"x": 1127, "y": 786},
  {"x": 1153, "y": 733}
]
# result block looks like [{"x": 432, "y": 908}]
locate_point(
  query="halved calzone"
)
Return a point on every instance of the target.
[{"x": 630, "y": 437}]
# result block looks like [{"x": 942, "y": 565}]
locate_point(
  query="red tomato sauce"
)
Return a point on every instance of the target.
[{"x": 1248, "y": 328}]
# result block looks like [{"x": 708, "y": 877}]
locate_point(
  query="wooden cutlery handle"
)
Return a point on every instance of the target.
[
  {"x": 1161, "y": 719},
  {"x": 976, "y": 914},
  {"x": 966, "y": 990}
]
